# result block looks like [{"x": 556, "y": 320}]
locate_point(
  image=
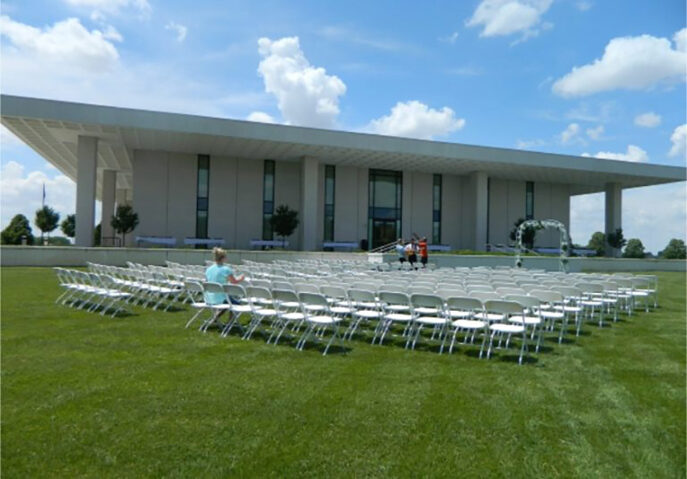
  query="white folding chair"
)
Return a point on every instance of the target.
[
  {"x": 194, "y": 291},
  {"x": 318, "y": 318},
  {"x": 514, "y": 325},
  {"x": 220, "y": 305},
  {"x": 463, "y": 313},
  {"x": 395, "y": 309},
  {"x": 238, "y": 305},
  {"x": 260, "y": 301},
  {"x": 365, "y": 308},
  {"x": 428, "y": 310},
  {"x": 288, "y": 313}
]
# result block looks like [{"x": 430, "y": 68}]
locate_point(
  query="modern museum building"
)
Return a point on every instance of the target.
[{"x": 191, "y": 178}]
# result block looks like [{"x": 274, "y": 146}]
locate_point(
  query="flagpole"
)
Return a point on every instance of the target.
[{"x": 43, "y": 202}]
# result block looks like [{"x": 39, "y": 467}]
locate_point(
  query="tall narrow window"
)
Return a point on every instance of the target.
[
  {"x": 202, "y": 196},
  {"x": 329, "y": 182},
  {"x": 268, "y": 200},
  {"x": 436, "y": 210},
  {"x": 529, "y": 200},
  {"x": 385, "y": 208}
]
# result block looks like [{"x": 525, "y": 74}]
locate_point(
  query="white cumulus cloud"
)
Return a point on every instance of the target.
[
  {"x": 679, "y": 140},
  {"x": 634, "y": 154},
  {"x": 22, "y": 193},
  {"x": 414, "y": 119},
  {"x": 680, "y": 39},
  {"x": 648, "y": 120},
  {"x": 306, "y": 95},
  {"x": 506, "y": 17},
  {"x": 180, "y": 30},
  {"x": 595, "y": 133},
  {"x": 261, "y": 117},
  {"x": 570, "y": 133},
  {"x": 112, "y": 7},
  {"x": 631, "y": 63},
  {"x": 655, "y": 227},
  {"x": 66, "y": 42}
]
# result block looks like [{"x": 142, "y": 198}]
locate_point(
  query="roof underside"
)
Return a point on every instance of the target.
[{"x": 52, "y": 128}]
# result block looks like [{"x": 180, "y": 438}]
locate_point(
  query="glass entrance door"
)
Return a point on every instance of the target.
[
  {"x": 384, "y": 212},
  {"x": 383, "y": 232}
]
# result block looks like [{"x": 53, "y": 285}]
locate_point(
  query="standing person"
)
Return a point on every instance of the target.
[
  {"x": 422, "y": 248},
  {"x": 401, "y": 251},
  {"x": 411, "y": 252},
  {"x": 220, "y": 273}
]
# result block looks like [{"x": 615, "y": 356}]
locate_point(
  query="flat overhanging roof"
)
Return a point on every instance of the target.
[{"x": 52, "y": 128}]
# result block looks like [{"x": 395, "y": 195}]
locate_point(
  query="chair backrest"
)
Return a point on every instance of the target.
[
  {"x": 258, "y": 292},
  {"x": 529, "y": 302},
  {"x": 547, "y": 296},
  {"x": 307, "y": 288},
  {"x": 361, "y": 296},
  {"x": 484, "y": 295},
  {"x": 464, "y": 303},
  {"x": 210, "y": 287},
  {"x": 285, "y": 300},
  {"x": 235, "y": 290},
  {"x": 503, "y": 307},
  {"x": 510, "y": 290},
  {"x": 263, "y": 283},
  {"x": 279, "y": 284},
  {"x": 568, "y": 291},
  {"x": 427, "y": 301},
  {"x": 336, "y": 292},
  {"x": 395, "y": 287},
  {"x": 416, "y": 289},
  {"x": 591, "y": 287},
  {"x": 479, "y": 288},
  {"x": 313, "y": 299},
  {"x": 392, "y": 297}
]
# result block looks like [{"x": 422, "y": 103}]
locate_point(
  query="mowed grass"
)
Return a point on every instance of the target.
[{"x": 88, "y": 396}]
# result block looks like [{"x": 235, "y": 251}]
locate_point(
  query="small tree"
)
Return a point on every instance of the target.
[
  {"x": 68, "y": 226},
  {"x": 19, "y": 226},
  {"x": 46, "y": 220},
  {"x": 124, "y": 220},
  {"x": 616, "y": 240},
  {"x": 528, "y": 234},
  {"x": 675, "y": 250},
  {"x": 598, "y": 243},
  {"x": 634, "y": 249},
  {"x": 284, "y": 221}
]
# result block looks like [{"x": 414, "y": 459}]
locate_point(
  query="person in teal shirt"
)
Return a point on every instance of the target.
[{"x": 220, "y": 273}]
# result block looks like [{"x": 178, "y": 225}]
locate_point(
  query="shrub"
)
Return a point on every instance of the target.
[
  {"x": 18, "y": 227},
  {"x": 634, "y": 249},
  {"x": 675, "y": 250}
]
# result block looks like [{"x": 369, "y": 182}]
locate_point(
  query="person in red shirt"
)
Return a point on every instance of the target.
[{"x": 422, "y": 249}]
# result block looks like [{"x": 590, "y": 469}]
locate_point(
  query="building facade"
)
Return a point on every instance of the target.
[
  {"x": 185, "y": 195},
  {"x": 196, "y": 177}
]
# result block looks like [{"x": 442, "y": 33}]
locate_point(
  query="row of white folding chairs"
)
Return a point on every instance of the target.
[
  {"x": 90, "y": 291},
  {"x": 146, "y": 287},
  {"x": 387, "y": 307}
]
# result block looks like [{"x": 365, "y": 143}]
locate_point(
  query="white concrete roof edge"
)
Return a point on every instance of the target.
[{"x": 26, "y": 107}]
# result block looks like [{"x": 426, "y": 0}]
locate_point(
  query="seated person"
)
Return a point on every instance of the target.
[{"x": 220, "y": 273}]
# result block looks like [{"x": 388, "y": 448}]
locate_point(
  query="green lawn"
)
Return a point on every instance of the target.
[{"x": 84, "y": 396}]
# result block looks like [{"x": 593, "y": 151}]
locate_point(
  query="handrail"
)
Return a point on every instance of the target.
[{"x": 385, "y": 248}]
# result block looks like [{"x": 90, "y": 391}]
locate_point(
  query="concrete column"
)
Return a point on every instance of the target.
[
  {"x": 614, "y": 208},
  {"x": 87, "y": 162},
  {"x": 109, "y": 179},
  {"x": 407, "y": 206},
  {"x": 309, "y": 203},
  {"x": 478, "y": 188}
]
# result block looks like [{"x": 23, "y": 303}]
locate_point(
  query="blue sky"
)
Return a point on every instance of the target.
[{"x": 601, "y": 78}]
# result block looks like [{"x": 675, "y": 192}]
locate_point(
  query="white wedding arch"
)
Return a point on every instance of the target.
[{"x": 540, "y": 225}]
